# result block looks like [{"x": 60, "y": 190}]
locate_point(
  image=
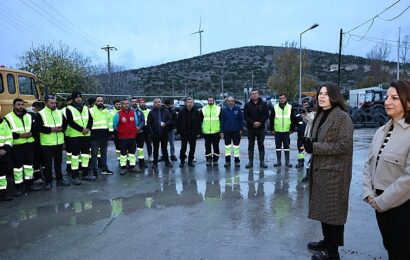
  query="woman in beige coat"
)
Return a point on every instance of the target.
[
  {"x": 386, "y": 178},
  {"x": 331, "y": 146}
]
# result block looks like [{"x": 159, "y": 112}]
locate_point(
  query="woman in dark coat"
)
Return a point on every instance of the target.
[{"x": 331, "y": 146}]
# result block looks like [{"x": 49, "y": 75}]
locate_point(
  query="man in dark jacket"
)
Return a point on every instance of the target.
[
  {"x": 256, "y": 112},
  {"x": 231, "y": 130},
  {"x": 159, "y": 120},
  {"x": 189, "y": 128}
]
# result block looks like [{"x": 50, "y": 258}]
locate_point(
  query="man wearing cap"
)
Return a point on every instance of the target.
[
  {"x": 147, "y": 134},
  {"x": 125, "y": 123},
  {"x": 100, "y": 133},
  {"x": 140, "y": 131},
  {"x": 51, "y": 126},
  {"x": 79, "y": 122},
  {"x": 22, "y": 152}
]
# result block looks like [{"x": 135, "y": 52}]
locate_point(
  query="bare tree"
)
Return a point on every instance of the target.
[
  {"x": 378, "y": 72},
  {"x": 404, "y": 51}
]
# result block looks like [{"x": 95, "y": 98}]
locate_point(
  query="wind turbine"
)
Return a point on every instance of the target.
[{"x": 200, "y": 31}]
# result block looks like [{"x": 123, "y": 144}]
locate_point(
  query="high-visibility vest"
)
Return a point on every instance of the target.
[
  {"x": 6, "y": 136},
  {"x": 79, "y": 118},
  {"x": 146, "y": 112},
  {"x": 63, "y": 112},
  {"x": 282, "y": 118},
  {"x": 20, "y": 126},
  {"x": 101, "y": 118},
  {"x": 51, "y": 118},
  {"x": 211, "y": 123}
]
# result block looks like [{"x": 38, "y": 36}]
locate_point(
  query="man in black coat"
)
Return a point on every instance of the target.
[
  {"x": 189, "y": 128},
  {"x": 158, "y": 122},
  {"x": 256, "y": 112}
]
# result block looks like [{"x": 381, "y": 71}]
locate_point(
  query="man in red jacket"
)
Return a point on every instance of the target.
[{"x": 125, "y": 123}]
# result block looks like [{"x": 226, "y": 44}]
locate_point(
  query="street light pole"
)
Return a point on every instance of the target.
[{"x": 300, "y": 58}]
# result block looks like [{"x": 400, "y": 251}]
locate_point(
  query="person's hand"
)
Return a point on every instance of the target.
[
  {"x": 25, "y": 135},
  {"x": 2, "y": 152},
  {"x": 240, "y": 132},
  {"x": 85, "y": 131},
  {"x": 222, "y": 135},
  {"x": 308, "y": 146},
  {"x": 290, "y": 132},
  {"x": 372, "y": 201},
  {"x": 273, "y": 132},
  {"x": 256, "y": 124}
]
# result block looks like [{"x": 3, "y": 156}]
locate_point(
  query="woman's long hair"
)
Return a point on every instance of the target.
[
  {"x": 335, "y": 97},
  {"x": 403, "y": 90}
]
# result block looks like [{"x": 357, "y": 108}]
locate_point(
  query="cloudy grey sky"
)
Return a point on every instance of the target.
[{"x": 153, "y": 32}]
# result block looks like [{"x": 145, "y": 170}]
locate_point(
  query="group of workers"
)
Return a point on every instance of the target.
[{"x": 32, "y": 141}]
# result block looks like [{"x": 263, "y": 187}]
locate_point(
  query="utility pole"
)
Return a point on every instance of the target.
[
  {"x": 340, "y": 57},
  {"x": 398, "y": 58},
  {"x": 108, "y": 49}
]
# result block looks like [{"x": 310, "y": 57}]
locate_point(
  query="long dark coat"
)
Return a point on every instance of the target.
[{"x": 331, "y": 170}]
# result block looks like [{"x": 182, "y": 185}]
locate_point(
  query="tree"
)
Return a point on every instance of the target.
[
  {"x": 285, "y": 77},
  {"x": 404, "y": 51},
  {"x": 58, "y": 67},
  {"x": 378, "y": 55}
]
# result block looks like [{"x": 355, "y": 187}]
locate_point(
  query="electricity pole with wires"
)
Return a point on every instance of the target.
[{"x": 108, "y": 49}]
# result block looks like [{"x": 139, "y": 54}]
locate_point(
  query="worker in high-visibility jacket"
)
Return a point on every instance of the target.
[
  {"x": 231, "y": 130},
  {"x": 51, "y": 125},
  {"x": 282, "y": 121},
  {"x": 6, "y": 142},
  {"x": 100, "y": 133},
  {"x": 140, "y": 132},
  {"x": 115, "y": 110},
  {"x": 20, "y": 122},
  {"x": 211, "y": 126},
  {"x": 79, "y": 122}
]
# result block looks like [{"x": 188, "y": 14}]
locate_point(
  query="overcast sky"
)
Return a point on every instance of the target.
[{"x": 153, "y": 32}]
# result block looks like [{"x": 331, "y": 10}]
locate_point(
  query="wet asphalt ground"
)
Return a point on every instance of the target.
[{"x": 190, "y": 213}]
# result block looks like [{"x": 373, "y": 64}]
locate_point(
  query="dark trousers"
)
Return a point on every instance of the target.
[
  {"x": 333, "y": 234},
  {"x": 148, "y": 141},
  {"x": 38, "y": 160},
  {"x": 212, "y": 141},
  {"x": 259, "y": 134},
  {"x": 68, "y": 152},
  {"x": 99, "y": 145},
  {"x": 52, "y": 153},
  {"x": 282, "y": 140},
  {"x": 395, "y": 229},
  {"x": 229, "y": 138},
  {"x": 185, "y": 139},
  {"x": 162, "y": 139},
  {"x": 140, "y": 140},
  {"x": 78, "y": 146},
  {"x": 6, "y": 168},
  {"x": 22, "y": 154},
  {"x": 300, "y": 142},
  {"x": 127, "y": 146}
]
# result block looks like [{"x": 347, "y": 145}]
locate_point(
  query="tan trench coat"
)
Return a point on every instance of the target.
[{"x": 331, "y": 170}]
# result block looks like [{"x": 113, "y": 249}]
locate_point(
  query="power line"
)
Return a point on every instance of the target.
[
  {"x": 394, "y": 18},
  {"x": 373, "y": 18},
  {"x": 67, "y": 20}
]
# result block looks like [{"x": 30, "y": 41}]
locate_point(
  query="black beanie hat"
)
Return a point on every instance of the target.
[{"x": 76, "y": 94}]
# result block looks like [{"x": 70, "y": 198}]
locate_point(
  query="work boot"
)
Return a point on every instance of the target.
[
  {"x": 330, "y": 253},
  {"x": 301, "y": 163},
  {"x": 227, "y": 164},
  {"x": 182, "y": 164},
  {"x": 237, "y": 164},
  {"x": 250, "y": 163},
  {"x": 142, "y": 164},
  {"x": 262, "y": 160},
  {"x": 191, "y": 164},
  {"x": 287, "y": 163},
  {"x": 278, "y": 159},
  {"x": 4, "y": 196},
  {"x": 30, "y": 186},
  {"x": 173, "y": 158},
  {"x": 208, "y": 162},
  {"x": 306, "y": 178},
  {"x": 19, "y": 190}
]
